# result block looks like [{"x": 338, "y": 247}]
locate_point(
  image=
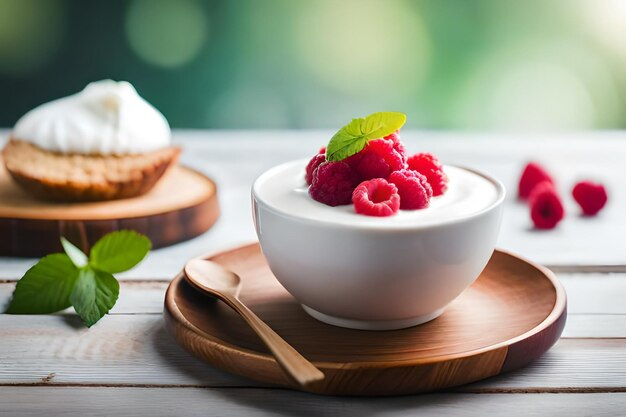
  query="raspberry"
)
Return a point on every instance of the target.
[
  {"x": 370, "y": 165},
  {"x": 532, "y": 175},
  {"x": 393, "y": 137},
  {"x": 315, "y": 162},
  {"x": 398, "y": 146},
  {"x": 546, "y": 208},
  {"x": 590, "y": 196},
  {"x": 377, "y": 160},
  {"x": 428, "y": 165},
  {"x": 333, "y": 183},
  {"x": 376, "y": 197},
  {"x": 413, "y": 188}
]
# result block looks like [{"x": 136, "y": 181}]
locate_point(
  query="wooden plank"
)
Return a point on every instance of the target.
[
  {"x": 135, "y": 297},
  {"x": 127, "y": 349},
  {"x": 604, "y": 269},
  {"x": 235, "y": 158},
  {"x": 595, "y": 302},
  {"x": 133, "y": 301},
  {"x": 595, "y": 293},
  {"x": 136, "y": 349},
  {"x": 595, "y": 326},
  {"x": 586, "y": 294},
  {"x": 572, "y": 364},
  {"x": 138, "y": 401}
]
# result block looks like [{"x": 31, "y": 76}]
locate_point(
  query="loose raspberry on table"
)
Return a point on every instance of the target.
[
  {"x": 546, "y": 208},
  {"x": 315, "y": 162},
  {"x": 590, "y": 196},
  {"x": 376, "y": 197},
  {"x": 414, "y": 190},
  {"x": 377, "y": 160},
  {"x": 333, "y": 183},
  {"x": 532, "y": 175},
  {"x": 429, "y": 166}
]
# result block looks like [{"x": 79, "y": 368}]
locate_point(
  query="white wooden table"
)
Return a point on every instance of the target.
[{"x": 129, "y": 365}]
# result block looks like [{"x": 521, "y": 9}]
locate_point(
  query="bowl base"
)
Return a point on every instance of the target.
[{"x": 372, "y": 324}]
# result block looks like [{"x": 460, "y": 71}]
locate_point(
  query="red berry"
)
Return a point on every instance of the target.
[
  {"x": 394, "y": 137},
  {"x": 333, "y": 183},
  {"x": 428, "y": 165},
  {"x": 532, "y": 175},
  {"x": 371, "y": 165},
  {"x": 590, "y": 196},
  {"x": 376, "y": 197},
  {"x": 315, "y": 162},
  {"x": 377, "y": 160},
  {"x": 414, "y": 190},
  {"x": 397, "y": 143},
  {"x": 546, "y": 208}
]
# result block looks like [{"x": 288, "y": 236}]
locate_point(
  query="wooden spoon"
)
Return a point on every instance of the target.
[{"x": 213, "y": 279}]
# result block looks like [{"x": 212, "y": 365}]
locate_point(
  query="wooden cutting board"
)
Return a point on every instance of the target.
[
  {"x": 182, "y": 205},
  {"x": 512, "y": 314}
]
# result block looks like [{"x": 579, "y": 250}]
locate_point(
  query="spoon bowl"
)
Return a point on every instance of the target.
[{"x": 210, "y": 277}]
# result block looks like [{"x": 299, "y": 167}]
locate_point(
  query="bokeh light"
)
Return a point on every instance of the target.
[
  {"x": 539, "y": 95},
  {"x": 166, "y": 33},
  {"x": 606, "y": 19},
  {"x": 248, "y": 107},
  {"x": 31, "y": 32},
  {"x": 540, "y": 86},
  {"x": 364, "y": 47},
  {"x": 481, "y": 64}
]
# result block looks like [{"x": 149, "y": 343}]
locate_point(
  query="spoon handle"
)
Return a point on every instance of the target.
[{"x": 296, "y": 365}]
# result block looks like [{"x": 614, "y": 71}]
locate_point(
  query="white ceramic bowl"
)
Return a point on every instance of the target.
[{"x": 376, "y": 278}]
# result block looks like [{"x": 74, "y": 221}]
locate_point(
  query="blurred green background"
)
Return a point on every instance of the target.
[{"x": 454, "y": 64}]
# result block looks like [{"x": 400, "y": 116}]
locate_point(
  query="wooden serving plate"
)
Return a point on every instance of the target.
[
  {"x": 512, "y": 314},
  {"x": 182, "y": 205}
]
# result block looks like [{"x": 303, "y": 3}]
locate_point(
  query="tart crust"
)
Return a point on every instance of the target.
[{"x": 76, "y": 177}]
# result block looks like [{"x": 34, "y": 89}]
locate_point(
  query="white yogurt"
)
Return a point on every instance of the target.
[
  {"x": 284, "y": 190},
  {"x": 107, "y": 117}
]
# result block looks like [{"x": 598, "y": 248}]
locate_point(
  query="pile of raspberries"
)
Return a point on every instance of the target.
[
  {"x": 537, "y": 187},
  {"x": 379, "y": 180}
]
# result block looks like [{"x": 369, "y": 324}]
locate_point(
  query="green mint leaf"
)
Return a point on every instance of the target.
[
  {"x": 94, "y": 294},
  {"x": 76, "y": 255},
  {"x": 46, "y": 287},
  {"x": 353, "y": 137},
  {"x": 346, "y": 142},
  {"x": 119, "y": 251}
]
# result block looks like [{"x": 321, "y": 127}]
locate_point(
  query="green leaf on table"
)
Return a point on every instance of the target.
[
  {"x": 353, "y": 137},
  {"x": 94, "y": 294},
  {"x": 61, "y": 280},
  {"x": 46, "y": 287},
  {"x": 119, "y": 251},
  {"x": 76, "y": 255}
]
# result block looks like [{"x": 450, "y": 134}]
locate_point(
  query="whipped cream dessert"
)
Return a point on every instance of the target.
[
  {"x": 284, "y": 190},
  {"x": 105, "y": 118}
]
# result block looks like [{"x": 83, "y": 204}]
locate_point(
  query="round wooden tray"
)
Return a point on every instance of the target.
[
  {"x": 182, "y": 205},
  {"x": 511, "y": 315}
]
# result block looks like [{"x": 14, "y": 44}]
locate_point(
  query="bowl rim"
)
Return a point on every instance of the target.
[{"x": 379, "y": 227}]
